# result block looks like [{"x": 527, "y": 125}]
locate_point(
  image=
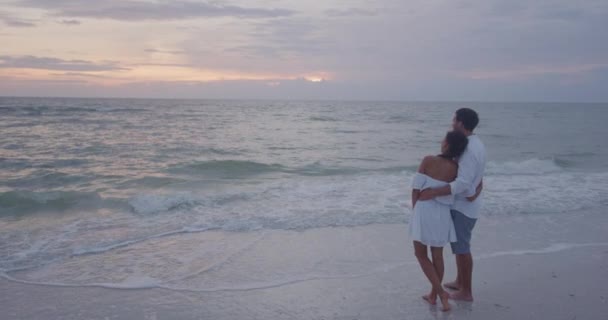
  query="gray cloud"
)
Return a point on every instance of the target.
[
  {"x": 350, "y": 12},
  {"x": 70, "y": 22},
  {"x": 551, "y": 10},
  {"x": 301, "y": 36},
  {"x": 12, "y": 21},
  {"x": 130, "y": 10},
  {"x": 164, "y": 51},
  {"x": 389, "y": 49},
  {"x": 436, "y": 41},
  {"x": 295, "y": 45},
  {"x": 81, "y": 74},
  {"x": 543, "y": 32},
  {"x": 11, "y": 82},
  {"x": 46, "y": 63}
]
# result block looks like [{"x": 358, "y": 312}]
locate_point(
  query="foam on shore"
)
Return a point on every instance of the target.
[{"x": 365, "y": 272}]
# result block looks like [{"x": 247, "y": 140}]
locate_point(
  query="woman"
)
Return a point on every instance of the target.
[{"x": 431, "y": 223}]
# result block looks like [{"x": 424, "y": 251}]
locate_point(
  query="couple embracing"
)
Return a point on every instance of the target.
[{"x": 445, "y": 201}]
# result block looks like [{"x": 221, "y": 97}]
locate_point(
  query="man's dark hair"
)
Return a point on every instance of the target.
[
  {"x": 457, "y": 143},
  {"x": 468, "y": 117}
]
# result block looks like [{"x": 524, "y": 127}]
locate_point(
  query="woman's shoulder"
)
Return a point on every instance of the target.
[
  {"x": 430, "y": 158},
  {"x": 433, "y": 163},
  {"x": 426, "y": 163},
  {"x": 436, "y": 160},
  {"x": 439, "y": 168}
]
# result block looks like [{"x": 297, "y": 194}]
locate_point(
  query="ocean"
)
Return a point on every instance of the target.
[{"x": 109, "y": 192}]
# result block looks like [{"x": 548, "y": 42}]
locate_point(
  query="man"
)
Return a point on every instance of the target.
[{"x": 465, "y": 210}]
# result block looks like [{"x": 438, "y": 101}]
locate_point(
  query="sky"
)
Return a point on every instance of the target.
[{"x": 438, "y": 50}]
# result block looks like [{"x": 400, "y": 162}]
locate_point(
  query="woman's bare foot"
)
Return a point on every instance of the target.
[
  {"x": 430, "y": 298},
  {"x": 452, "y": 285},
  {"x": 459, "y": 295},
  {"x": 444, "y": 301}
]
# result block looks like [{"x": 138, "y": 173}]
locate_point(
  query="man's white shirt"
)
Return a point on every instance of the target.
[{"x": 471, "y": 167}]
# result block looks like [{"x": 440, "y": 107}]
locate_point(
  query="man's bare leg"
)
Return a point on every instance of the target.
[
  {"x": 464, "y": 263},
  {"x": 456, "y": 284}
]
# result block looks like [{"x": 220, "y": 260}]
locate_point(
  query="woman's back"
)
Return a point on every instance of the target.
[
  {"x": 439, "y": 168},
  {"x": 431, "y": 223}
]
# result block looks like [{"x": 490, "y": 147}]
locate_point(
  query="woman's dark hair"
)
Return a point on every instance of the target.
[
  {"x": 468, "y": 117},
  {"x": 457, "y": 143}
]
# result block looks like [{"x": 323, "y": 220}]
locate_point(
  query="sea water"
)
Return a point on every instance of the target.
[{"x": 116, "y": 191}]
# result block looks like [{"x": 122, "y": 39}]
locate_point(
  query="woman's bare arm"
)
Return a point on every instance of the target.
[
  {"x": 415, "y": 195},
  {"x": 422, "y": 169}
]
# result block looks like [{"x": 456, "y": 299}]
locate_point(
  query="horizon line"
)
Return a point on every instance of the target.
[{"x": 311, "y": 100}]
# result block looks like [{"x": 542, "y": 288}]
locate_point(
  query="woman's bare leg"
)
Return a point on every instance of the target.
[
  {"x": 429, "y": 270},
  {"x": 437, "y": 254}
]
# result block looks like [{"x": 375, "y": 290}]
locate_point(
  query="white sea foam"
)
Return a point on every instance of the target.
[
  {"x": 235, "y": 166},
  {"x": 155, "y": 203},
  {"x": 142, "y": 281},
  {"x": 134, "y": 282},
  {"x": 368, "y": 198},
  {"x": 547, "y": 193},
  {"x": 147, "y": 282},
  {"x": 298, "y": 204},
  {"x": 526, "y": 167},
  {"x": 100, "y": 249},
  {"x": 556, "y": 247}
]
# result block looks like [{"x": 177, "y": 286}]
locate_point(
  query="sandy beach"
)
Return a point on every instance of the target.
[
  {"x": 229, "y": 160},
  {"x": 546, "y": 266}
]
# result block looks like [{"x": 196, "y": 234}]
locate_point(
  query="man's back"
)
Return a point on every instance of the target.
[{"x": 470, "y": 172}]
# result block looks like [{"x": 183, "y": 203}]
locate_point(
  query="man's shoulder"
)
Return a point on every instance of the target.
[
  {"x": 475, "y": 151},
  {"x": 474, "y": 138},
  {"x": 475, "y": 144}
]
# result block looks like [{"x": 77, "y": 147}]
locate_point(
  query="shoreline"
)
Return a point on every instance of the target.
[{"x": 553, "y": 267}]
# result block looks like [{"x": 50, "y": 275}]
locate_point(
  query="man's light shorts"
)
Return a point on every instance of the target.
[{"x": 464, "y": 227}]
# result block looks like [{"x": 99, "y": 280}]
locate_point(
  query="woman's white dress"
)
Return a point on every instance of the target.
[{"x": 431, "y": 222}]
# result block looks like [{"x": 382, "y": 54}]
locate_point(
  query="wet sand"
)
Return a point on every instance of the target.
[{"x": 526, "y": 267}]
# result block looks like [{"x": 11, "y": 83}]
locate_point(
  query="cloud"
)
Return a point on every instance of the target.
[
  {"x": 295, "y": 45},
  {"x": 12, "y": 82},
  {"x": 503, "y": 35},
  {"x": 287, "y": 36},
  {"x": 179, "y": 65},
  {"x": 70, "y": 22},
  {"x": 164, "y": 51},
  {"x": 81, "y": 74},
  {"x": 46, "y": 63},
  {"x": 350, "y": 12},
  {"x": 564, "y": 10},
  {"x": 12, "y": 21},
  {"x": 420, "y": 49},
  {"x": 533, "y": 71},
  {"x": 131, "y": 10},
  {"x": 257, "y": 89}
]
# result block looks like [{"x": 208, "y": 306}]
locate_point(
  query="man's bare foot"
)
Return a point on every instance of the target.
[
  {"x": 444, "y": 301},
  {"x": 430, "y": 298},
  {"x": 452, "y": 285},
  {"x": 459, "y": 295}
]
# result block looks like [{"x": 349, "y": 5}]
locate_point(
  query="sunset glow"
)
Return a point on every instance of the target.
[{"x": 379, "y": 50}]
